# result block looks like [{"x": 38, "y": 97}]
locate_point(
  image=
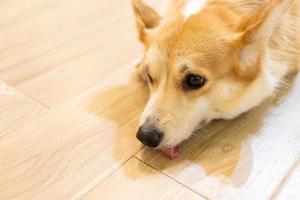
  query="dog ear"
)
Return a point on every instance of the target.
[
  {"x": 255, "y": 31},
  {"x": 146, "y": 18}
]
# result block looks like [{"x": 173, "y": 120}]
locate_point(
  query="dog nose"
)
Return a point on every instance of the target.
[{"x": 149, "y": 136}]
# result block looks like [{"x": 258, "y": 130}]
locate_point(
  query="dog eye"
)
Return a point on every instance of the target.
[
  {"x": 150, "y": 78},
  {"x": 194, "y": 81}
]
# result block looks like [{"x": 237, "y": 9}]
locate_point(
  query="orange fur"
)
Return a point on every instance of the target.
[{"x": 243, "y": 48}]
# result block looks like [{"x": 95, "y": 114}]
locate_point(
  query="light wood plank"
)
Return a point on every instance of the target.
[
  {"x": 68, "y": 53},
  {"x": 70, "y": 79},
  {"x": 54, "y": 50},
  {"x": 101, "y": 37},
  {"x": 290, "y": 189},
  {"x": 43, "y": 25},
  {"x": 136, "y": 180},
  {"x": 16, "y": 109},
  {"x": 246, "y": 158},
  {"x": 65, "y": 150},
  {"x": 64, "y": 72}
]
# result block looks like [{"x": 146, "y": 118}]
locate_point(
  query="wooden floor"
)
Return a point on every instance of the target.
[{"x": 69, "y": 110}]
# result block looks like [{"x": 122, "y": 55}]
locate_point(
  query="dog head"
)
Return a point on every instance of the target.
[{"x": 202, "y": 64}]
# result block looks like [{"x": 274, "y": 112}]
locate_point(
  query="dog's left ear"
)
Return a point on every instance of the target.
[
  {"x": 146, "y": 18},
  {"x": 255, "y": 31}
]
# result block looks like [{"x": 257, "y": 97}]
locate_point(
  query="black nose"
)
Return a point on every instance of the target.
[{"x": 149, "y": 136}]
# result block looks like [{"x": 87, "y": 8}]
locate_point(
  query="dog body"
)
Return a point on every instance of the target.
[{"x": 208, "y": 60}]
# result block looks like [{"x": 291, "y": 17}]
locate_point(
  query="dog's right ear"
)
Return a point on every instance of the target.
[
  {"x": 255, "y": 32},
  {"x": 146, "y": 18}
]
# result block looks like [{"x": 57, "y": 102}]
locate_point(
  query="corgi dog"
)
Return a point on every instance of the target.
[{"x": 207, "y": 60}]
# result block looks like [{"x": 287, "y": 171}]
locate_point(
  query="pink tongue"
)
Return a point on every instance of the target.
[{"x": 172, "y": 153}]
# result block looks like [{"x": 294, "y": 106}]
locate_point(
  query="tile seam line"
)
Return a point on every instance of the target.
[
  {"x": 29, "y": 96},
  {"x": 285, "y": 180},
  {"x": 94, "y": 184},
  {"x": 49, "y": 108},
  {"x": 185, "y": 186},
  {"x": 6, "y": 133},
  {"x": 76, "y": 37},
  {"x": 92, "y": 88}
]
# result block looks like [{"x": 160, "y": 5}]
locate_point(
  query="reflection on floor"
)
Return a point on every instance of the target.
[{"x": 70, "y": 105}]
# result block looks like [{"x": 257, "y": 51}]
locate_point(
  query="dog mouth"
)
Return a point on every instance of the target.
[{"x": 172, "y": 152}]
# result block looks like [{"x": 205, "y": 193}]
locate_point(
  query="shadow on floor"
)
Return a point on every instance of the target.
[{"x": 222, "y": 149}]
